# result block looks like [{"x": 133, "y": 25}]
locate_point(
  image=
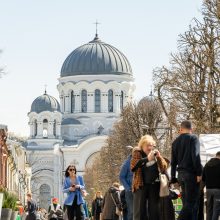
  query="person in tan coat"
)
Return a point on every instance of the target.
[
  {"x": 111, "y": 200},
  {"x": 145, "y": 186}
]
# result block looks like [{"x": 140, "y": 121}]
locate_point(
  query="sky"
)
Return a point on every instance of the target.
[{"x": 36, "y": 36}]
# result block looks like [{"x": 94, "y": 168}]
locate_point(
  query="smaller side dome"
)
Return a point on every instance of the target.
[
  {"x": 45, "y": 102},
  {"x": 70, "y": 121},
  {"x": 147, "y": 99}
]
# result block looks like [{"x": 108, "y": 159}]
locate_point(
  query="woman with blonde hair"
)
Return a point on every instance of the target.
[
  {"x": 145, "y": 161},
  {"x": 97, "y": 205}
]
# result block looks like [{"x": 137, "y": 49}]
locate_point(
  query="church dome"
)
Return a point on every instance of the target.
[
  {"x": 96, "y": 57},
  {"x": 45, "y": 102},
  {"x": 148, "y": 98},
  {"x": 70, "y": 121}
]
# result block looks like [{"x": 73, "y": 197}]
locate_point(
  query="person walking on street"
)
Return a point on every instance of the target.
[
  {"x": 97, "y": 206},
  {"x": 31, "y": 208},
  {"x": 111, "y": 201},
  {"x": 185, "y": 158},
  {"x": 73, "y": 184},
  {"x": 211, "y": 178},
  {"x": 124, "y": 205},
  {"x": 145, "y": 162},
  {"x": 126, "y": 177}
]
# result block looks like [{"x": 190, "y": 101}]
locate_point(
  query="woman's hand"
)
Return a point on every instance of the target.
[
  {"x": 157, "y": 153},
  {"x": 77, "y": 186},
  {"x": 150, "y": 156},
  {"x": 72, "y": 188}
]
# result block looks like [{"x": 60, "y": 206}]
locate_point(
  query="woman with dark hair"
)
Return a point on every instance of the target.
[{"x": 73, "y": 184}]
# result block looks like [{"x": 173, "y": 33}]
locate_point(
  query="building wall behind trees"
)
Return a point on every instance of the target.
[
  {"x": 15, "y": 173},
  {"x": 3, "y": 155}
]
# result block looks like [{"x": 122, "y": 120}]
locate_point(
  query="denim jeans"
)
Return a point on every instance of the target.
[
  {"x": 129, "y": 202},
  {"x": 190, "y": 196},
  {"x": 213, "y": 204}
]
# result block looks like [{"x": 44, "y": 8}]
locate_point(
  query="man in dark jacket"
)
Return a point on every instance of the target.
[
  {"x": 185, "y": 158},
  {"x": 126, "y": 177},
  {"x": 31, "y": 208},
  {"x": 211, "y": 178}
]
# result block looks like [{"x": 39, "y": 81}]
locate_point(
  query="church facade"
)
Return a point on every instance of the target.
[{"x": 95, "y": 82}]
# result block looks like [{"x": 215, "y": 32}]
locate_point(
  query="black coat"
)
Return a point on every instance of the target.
[
  {"x": 31, "y": 208},
  {"x": 97, "y": 206},
  {"x": 166, "y": 209}
]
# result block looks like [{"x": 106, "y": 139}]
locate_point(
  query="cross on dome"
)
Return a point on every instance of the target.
[
  {"x": 96, "y": 24},
  {"x": 45, "y": 91}
]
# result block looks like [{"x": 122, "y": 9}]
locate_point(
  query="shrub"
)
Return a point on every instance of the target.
[{"x": 9, "y": 199}]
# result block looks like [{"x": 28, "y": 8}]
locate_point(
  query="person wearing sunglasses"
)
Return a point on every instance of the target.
[{"x": 73, "y": 185}]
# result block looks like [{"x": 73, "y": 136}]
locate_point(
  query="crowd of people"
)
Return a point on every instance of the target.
[{"x": 143, "y": 196}]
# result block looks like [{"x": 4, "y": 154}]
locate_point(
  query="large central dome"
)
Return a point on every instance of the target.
[{"x": 96, "y": 57}]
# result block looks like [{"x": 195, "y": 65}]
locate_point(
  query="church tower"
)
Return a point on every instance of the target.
[
  {"x": 45, "y": 120},
  {"x": 96, "y": 82}
]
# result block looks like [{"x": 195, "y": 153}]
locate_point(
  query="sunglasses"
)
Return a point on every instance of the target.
[{"x": 71, "y": 169}]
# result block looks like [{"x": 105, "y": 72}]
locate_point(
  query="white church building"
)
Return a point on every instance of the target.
[{"x": 95, "y": 82}]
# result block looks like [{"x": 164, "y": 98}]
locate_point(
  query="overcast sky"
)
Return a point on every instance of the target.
[{"x": 36, "y": 36}]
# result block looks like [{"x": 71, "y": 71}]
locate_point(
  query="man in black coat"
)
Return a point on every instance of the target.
[
  {"x": 31, "y": 208},
  {"x": 211, "y": 178},
  {"x": 185, "y": 158}
]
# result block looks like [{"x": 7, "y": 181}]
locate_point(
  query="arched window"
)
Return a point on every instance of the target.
[
  {"x": 45, "y": 128},
  {"x": 122, "y": 100},
  {"x": 35, "y": 128},
  {"x": 97, "y": 100},
  {"x": 62, "y": 102},
  {"x": 84, "y": 100},
  {"x": 45, "y": 196},
  {"x": 72, "y": 97},
  {"x": 54, "y": 128},
  {"x": 110, "y": 100}
]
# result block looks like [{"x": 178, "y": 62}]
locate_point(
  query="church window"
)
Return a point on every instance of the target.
[
  {"x": 54, "y": 128},
  {"x": 45, "y": 128},
  {"x": 122, "y": 100},
  {"x": 97, "y": 100},
  {"x": 45, "y": 195},
  {"x": 35, "y": 128},
  {"x": 64, "y": 104},
  {"x": 72, "y": 102},
  {"x": 110, "y": 100},
  {"x": 84, "y": 100}
]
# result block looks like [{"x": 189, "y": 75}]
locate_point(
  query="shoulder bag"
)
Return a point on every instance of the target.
[
  {"x": 164, "y": 183},
  {"x": 117, "y": 211}
]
